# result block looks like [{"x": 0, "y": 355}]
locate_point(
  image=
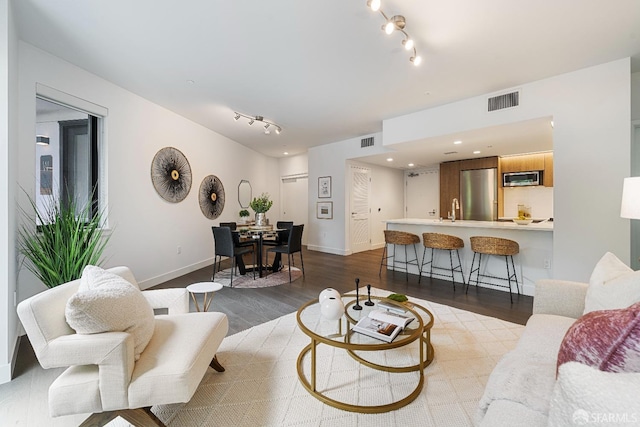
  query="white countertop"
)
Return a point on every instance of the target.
[{"x": 540, "y": 226}]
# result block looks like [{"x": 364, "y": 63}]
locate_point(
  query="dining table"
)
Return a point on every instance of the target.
[{"x": 258, "y": 234}]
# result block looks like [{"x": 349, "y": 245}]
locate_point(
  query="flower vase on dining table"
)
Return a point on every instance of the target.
[{"x": 261, "y": 219}]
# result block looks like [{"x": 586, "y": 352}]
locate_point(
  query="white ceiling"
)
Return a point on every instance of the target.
[{"x": 324, "y": 70}]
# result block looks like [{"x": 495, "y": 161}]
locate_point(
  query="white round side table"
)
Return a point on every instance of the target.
[{"x": 205, "y": 288}]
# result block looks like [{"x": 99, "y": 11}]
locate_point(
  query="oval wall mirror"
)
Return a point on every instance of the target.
[{"x": 244, "y": 193}]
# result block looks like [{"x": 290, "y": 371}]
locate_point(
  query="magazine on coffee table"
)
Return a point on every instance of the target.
[{"x": 383, "y": 325}]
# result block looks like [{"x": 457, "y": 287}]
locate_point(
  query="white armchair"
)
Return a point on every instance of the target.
[{"x": 103, "y": 378}]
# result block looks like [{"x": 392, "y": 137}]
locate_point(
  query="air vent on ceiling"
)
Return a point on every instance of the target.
[
  {"x": 501, "y": 102},
  {"x": 366, "y": 142},
  {"x": 450, "y": 152}
]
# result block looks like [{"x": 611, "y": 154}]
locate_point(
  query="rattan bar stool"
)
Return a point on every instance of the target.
[
  {"x": 482, "y": 245},
  {"x": 393, "y": 237},
  {"x": 444, "y": 242}
]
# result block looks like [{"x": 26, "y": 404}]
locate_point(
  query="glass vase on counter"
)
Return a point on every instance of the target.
[{"x": 524, "y": 212}]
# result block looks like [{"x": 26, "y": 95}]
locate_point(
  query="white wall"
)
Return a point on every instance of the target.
[
  {"x": 8, "y": 170},
  {"x": 635, "y": 96},
  {"x": 387, "y": 199},
  {"x": 332, "y": 236},
  {"x": 591, "y": 112}
]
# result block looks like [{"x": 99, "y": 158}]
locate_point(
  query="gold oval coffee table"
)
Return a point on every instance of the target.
[{"x": 338, "y": 334}]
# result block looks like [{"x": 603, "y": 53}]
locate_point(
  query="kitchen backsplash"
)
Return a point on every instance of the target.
[{"x": 539, "y": 198}]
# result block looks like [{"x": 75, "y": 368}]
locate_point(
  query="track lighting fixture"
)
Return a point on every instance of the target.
[
  {"x": 396, "y": 23},
  {"x": 253, "y": 119}
]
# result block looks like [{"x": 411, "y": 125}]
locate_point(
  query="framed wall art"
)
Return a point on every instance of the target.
[
  {"x": 324, "y": 187},
  {"x": 324, "y": 210}
]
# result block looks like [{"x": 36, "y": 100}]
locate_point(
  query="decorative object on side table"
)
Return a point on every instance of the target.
[
  {"x": 368, "y": 302},
  {"x": 326, "y": 293},
  {"x": 260, "y": 206},
  {"x": 357, "y": 305},
  {"x": 171, "y": 174},
  {"x": 211, "y": 197},
  {"x": 332, "y": 308}
]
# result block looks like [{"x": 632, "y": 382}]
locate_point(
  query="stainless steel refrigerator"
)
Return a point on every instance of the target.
[{"x": 479, "y": 194}]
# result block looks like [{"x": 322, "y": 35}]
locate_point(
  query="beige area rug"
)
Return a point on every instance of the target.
[
  {"x": 272, "y": 279},
  {"x": 260, "y": 386}
]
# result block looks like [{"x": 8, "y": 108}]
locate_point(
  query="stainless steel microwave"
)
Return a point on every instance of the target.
[{"x": 521, "y": 179}]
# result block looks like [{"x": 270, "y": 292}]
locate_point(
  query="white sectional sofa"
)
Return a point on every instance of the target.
[{"x": 524, "y": 390}]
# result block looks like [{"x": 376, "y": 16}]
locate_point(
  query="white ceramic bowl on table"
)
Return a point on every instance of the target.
[{"x": 522, "y": 221}]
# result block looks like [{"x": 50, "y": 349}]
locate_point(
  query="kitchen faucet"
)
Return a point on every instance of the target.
[{"x": 454, "y": 205}]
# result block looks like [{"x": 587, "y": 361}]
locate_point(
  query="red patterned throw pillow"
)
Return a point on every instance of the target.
[{"x": 607, "y": 339}]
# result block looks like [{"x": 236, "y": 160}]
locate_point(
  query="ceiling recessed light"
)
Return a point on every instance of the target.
[
  {"x": 476, "y": 152},
  {"x": 457, "y": 142},
  {"x": 389, "y": 159},
  {"x": 411, "y": 165},
  {"x": 285, "y": 153}
]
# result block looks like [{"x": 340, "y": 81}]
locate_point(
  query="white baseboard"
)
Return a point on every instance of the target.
[
  {"x": 6, "y": 371},
  {"x": 148, "y": 283},
  {"x": 328, "y": 250}
]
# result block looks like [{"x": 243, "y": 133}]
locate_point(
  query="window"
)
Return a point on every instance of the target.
[{"x": 67, "y": 155}]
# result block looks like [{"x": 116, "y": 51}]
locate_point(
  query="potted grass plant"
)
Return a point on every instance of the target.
[
  {"x": 260, "y": 206},
  {"x": 59, "y": 239}
]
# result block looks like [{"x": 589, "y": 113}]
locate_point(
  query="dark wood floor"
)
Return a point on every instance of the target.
[{"x": 249, "y": 307}]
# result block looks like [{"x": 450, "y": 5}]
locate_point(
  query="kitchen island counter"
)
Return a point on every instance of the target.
[
  {"x": 503, "y": 225},
  {"x": 532, "y": 263}
]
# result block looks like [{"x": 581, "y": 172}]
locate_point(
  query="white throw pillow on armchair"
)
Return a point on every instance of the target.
[
  {"x": 106, "y": 302},
  {"x": 612, "y": 285}
]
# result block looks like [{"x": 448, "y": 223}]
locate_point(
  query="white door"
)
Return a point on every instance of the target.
[
  {"x": 422, "y": 197},
  {"x": 360, "y": 212},
  {"x": 294, "y": 191}
]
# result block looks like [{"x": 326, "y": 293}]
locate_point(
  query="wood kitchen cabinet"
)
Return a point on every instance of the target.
[
  {"x": 547, "y": 176},
  {"x": 482, "y": 163},
  {"x": 524, "y": 163},
  {"x": 449, "y": 186}
]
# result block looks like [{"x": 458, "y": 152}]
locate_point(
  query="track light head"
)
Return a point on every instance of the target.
[
  {"x": 251, "y": 122},
  {"x": 416, "y": 60},
  {"x": 278, "y": 130},
  {"x": 388, "y": 27},
  {"x": 407, "y": 43},
  {"x": 267, "y": 126},
  {"x": 374, "y": 5},
  {"x": 236, "y": 117}
]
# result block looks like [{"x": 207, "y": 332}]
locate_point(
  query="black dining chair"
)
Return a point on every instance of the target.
[
  {"x": 281, "y": 238},
  {"x": 294, "y": 244},
  {"x": 225, "y": 245},
  {"x": 236, "y": 236}
]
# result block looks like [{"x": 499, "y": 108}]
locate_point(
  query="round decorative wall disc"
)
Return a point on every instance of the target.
[
  {"x": 171, "y": 174},
  {"x": 211, "y": 197}
]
